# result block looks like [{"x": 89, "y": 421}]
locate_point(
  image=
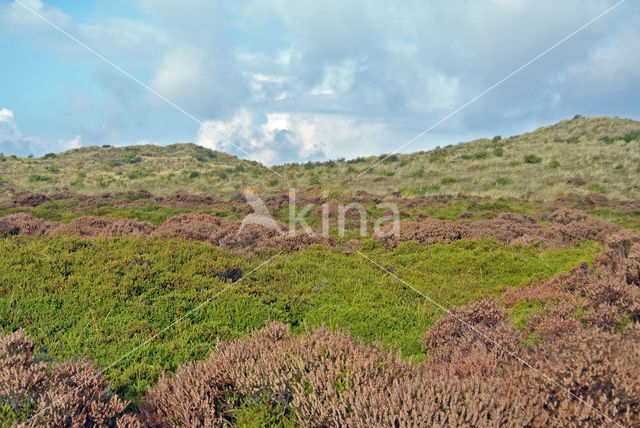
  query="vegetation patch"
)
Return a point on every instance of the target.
[{"x": 100, "y": 297}]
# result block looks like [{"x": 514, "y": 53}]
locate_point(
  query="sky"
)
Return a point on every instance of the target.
[{"x": 291, "y": 81}]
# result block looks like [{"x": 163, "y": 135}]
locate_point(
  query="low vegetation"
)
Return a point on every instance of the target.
[
  {"x": 132, "y": 295},
  {"x": 486, "y": 167}
]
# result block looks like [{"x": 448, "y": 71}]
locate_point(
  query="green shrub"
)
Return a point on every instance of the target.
[
  {"x": 356, "y": 160},
  {"x": 388, "y": 158},
  {"x": 498, "y": 151},
  {"x": 501, "y": 181},
  {"x": 496, "y": 139},
  {"x": 50, "y": 156},
  {"x": 532, "y": 159},
  {"x": 631, "y": 136},
  {"x": 34, "y": 178},
  {"x": 447, "y": 180},
  {"x": 194, "y": 174},
  {"x": 106, "y": 146},
  {"x": 554, "y": 164},
  {"x": 53, "y": 169},
  {"x": 481, "y": 155},
  {"x": 597, "y": 188},
  {"x": 130, "y": 156}
]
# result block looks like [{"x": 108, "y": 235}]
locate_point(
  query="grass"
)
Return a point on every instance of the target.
[
  {"x": 628, "y": 219},
  {"x": 65, "y": 211},
  {"x": 100, "y": 298},
  {"x": 548, "y": 157}
]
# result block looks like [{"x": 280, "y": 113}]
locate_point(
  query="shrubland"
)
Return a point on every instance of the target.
[{"x": 131, "y": 295}]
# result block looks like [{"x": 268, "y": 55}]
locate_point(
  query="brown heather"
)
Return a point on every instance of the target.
[
  {"x": 247, "y": 240},
  {"x": 582, "y": 346},
  {"x": 472, "y": 377},
  {"x": 70, "y": 394}
]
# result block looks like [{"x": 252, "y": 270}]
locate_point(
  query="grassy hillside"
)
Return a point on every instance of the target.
[{"x": 581, "y": 156}]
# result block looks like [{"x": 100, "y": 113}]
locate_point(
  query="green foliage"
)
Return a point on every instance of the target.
[
  {"x": 52, "y": 169},
  {"x": 532, "y": 159},
  {"x": 447, "y": 180},
  {"x": 101, "y": 298},
  {"x": 624, "y": 218},
  {"x": 501, "y": 181},
  {"x": 597, "y": 188},
  {"x": 523, "y": 311},
  {"x": 498, "y": 151},
  {"x": 35, "y": 178},
  {"x": 554, "y": 164},
  {"x": 496, "y": 139},
  {"x": 627, "y": 138},
  {"x": 356, "y": 160},
  {"x": 194, "y": 174},
  {"x": 50, "y": 156},
  {"x": 130, "y": 156},
  {"x": 388, "y": 158},
  {"x": 478, "y": 155}
]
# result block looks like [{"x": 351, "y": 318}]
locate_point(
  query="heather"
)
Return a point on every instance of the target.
[
  {"x": 98, "y": 298},
  {"x": 131, "y": 293}
]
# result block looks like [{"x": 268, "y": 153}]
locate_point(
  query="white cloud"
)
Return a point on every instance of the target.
[
  {"x": 72, "y": 143},
  {"x": 11, "y": 139},
  {"x": 299, "y": 80},
  {"x": 286, "y": 137}
]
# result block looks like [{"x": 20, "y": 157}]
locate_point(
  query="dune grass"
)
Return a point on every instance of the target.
[{"x": 580, "y": 156}]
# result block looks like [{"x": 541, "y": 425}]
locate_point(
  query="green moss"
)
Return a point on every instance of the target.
[{"x": 521, "y": 313}]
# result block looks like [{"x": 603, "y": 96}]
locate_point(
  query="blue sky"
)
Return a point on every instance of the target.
[{"x": 298, "y": 80}]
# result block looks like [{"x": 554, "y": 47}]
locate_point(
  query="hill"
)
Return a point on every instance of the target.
[{"x": 581, "y": 156}]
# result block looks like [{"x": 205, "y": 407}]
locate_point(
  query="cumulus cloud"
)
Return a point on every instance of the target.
[
  {"x": 11, "y": 139},
  {"x": 305, "y": 80},
  {"x": 290, "y": 137}
]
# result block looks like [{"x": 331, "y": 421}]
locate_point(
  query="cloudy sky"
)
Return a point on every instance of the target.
[{"x": 295, "y": 80}]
